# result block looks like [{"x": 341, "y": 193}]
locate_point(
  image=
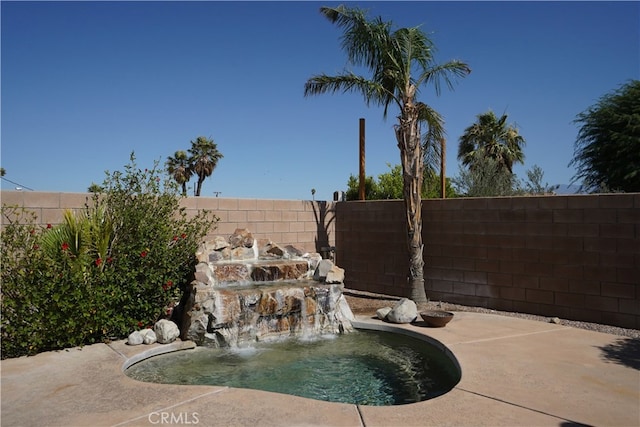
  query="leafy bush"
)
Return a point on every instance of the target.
[
  {"x": 112, "y": 268},
  {"x": 485, "y": 179},
  {"x": 390, "y": 186}
]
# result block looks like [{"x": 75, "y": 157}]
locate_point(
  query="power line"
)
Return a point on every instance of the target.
[{"x": 18, "y": 185}]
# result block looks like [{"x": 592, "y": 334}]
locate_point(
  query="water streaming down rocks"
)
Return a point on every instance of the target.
[{"x": 248, "y": 290}]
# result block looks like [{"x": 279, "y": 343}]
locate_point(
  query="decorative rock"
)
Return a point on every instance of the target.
[
  {"x": 382, "y": 312},
  {"x": 241, "y": 238},
  {"x": 229, "y": 273},
  {"x": 292, "y": 251},
  {"x": 135, "y": 338},
  {"x": 243, "y": 253},
  {"x": 216, "y": 256},
  {"x": 280, "y": 270},
  {"x": 324, "y": 266},
  {"x": 405, "y": 311},
  {"x": 555, "y": 320},
  {"x": 236, "y": 296},
  {"x": 218, "y": 243},
  {"x": 271, "y": 250},
  {"x": 149, "y": 337},
  {"x": 166, "y": 331},
  {"x": 314, "y": 259},
  {"x": 203, "y": 272},
  {"x": 335, "y": 275}
]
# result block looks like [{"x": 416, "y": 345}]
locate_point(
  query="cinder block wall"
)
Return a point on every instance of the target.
[
  {"x": 305, "y": 224},
  {"x": 575, "y": 257},
  {"x": 308, "y": 225}
]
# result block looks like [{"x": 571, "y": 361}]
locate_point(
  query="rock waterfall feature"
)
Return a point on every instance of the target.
[{"x": 248, "y": 290}]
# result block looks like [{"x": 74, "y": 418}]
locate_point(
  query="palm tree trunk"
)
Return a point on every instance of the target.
[
  {"x": 408, "y": 136},
  {"x": 199, "y": 187}
]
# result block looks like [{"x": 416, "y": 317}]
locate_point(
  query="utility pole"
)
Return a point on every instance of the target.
[{"x": 361, "y": 188}]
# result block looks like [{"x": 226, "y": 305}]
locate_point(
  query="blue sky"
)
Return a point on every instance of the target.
[{"x": 86, "y": 83}]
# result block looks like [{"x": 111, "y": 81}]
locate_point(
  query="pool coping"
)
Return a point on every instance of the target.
[{"x": 571, "y": 381}]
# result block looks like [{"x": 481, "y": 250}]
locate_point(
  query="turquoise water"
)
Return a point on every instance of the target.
[{"x": 363, "y": 367}]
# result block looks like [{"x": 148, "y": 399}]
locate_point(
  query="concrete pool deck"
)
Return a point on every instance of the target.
[{"x": 515, "y": 372}]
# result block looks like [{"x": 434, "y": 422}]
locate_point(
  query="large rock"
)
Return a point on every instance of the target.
[
  {"x": 241, "y": 238},
  {"x": 166, "y": 331},
  {"x": 135, "y": 338},
  {"x": 324, "y": 266},
  {"x": 335, "y": 275},
  {"x": 148, "y": 336},
  {"x": 382, "y": 312},
  {"x": 405, "y": 311}
]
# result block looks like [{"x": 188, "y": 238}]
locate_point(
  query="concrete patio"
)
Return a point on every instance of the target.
[{"x": 515, "y": 372}]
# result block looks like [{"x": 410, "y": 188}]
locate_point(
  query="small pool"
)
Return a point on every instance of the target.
[{"x": 365, "y": 367}]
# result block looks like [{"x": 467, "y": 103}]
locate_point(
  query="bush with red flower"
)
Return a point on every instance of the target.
[{"x": 101, "y": 271}]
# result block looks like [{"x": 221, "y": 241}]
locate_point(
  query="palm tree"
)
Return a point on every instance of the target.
[
  {"x": 392, "y": 56},
  {"x": 204, "y": 159},
  {"x": 95, "y": 188},
  {"x": 179, "y": 168},
  {"x": 493, "y": 138}
]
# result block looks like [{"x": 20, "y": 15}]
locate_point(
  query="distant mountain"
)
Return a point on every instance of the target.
[{"x": 568, "y": 189}]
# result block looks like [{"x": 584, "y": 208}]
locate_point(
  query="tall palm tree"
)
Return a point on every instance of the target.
[
  {"x": 392, "y": 56},
  {"x": 204, "y": 159},
  {"x": 179, "y": 168},
  {"x": 490, "y": 136}
]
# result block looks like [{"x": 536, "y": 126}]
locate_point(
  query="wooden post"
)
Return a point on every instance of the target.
[
  {"x": 443, "y": 156},
  {"x": 361, "y": 188}
]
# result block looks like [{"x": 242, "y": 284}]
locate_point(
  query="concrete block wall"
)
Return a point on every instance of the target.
[
  {"x": 575, "y": 257},
  {"x": 371, "y": 246},
  {"x": 305, "y": 224},
  {"x": 308, "y": 225}
]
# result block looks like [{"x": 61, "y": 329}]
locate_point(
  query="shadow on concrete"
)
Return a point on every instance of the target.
[
  {"x": 368, "y": 295},
  {"x": 624, "y": 351},
  {"x": 574, "y": 424}
]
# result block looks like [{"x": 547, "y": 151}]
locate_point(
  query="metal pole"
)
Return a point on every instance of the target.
[
  {"x": 443, "y": 155},
  {"x": 361, "y": 188}
]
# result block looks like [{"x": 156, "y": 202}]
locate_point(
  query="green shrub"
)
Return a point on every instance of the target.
[{"x": 103, "y": 272}]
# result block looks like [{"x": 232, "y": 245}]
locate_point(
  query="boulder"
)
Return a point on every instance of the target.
[
  {"x": 335, "y": 275},
  {"x": 273, "y": 250},
  {"x": 324, "y": 266},
  {"x": 241, "y": 238},
  {"x": 219, "y": 243},
  {"x": 405, "y": 311},
  {"x": 314, "y": 259},
  {"x": 148, "y": 336},
  {"x": 382, "y": 312},
  {"x": 291, "y": 251},
  {"x": 166, "y": 331},
  {"x": 135, "y": 338}
]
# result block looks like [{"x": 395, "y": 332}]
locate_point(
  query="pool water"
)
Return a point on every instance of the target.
[{"x": 364, "y": 367}]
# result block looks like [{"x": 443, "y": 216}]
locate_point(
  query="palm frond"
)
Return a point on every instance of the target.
[
  {"x": 362, "y": 39},
  {"x": 372, "y": 91},
  {"x": 431, "y": 139},
  {"x": 446, "y": 73}
]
